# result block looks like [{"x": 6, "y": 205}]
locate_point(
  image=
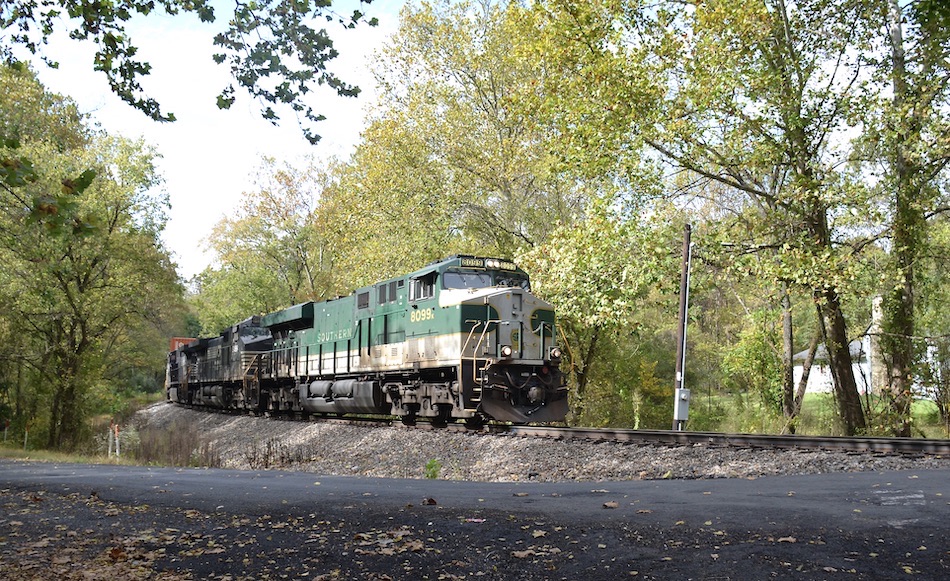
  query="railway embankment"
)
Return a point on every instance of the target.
[{"x": 346, "y": 449}]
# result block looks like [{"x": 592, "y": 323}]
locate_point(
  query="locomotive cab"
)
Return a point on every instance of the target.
[{"x": 478, "y": 316}]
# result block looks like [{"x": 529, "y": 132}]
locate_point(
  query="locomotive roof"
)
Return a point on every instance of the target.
[
  {"x": 471, "y": 261},
  {"x": 295, "y": 317},
  {"x": 301, "y": 316}
]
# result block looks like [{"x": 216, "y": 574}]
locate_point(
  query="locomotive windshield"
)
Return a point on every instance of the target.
[
  {"x": 466, "y": 279},
  {"x": 515, "y": 280},
  {"x": 482, "y": 279}
]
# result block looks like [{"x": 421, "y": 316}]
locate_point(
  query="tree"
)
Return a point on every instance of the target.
[
  {"x": 74, "y": 276},
  {"x": 906, "y": 151},
  {"x": 754, "y": 362},
  {"x": 463, "y": 156},
  {"x": 272, "y": 48},
  {"x": 272, "y": 253},
  {"x": 750, "y": 95},
  {"x": 932, "y": 309},
  {"x": 455, "y": 76},
  {"x": 389, "y": 209},
  {"x": 453, "y": 160},
  {"x": 595, "y": 271}
]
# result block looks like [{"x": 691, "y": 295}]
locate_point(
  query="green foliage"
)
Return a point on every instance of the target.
[
  {"x": 432, "y": 469},
  {"x": 579, "y": 137},
  {"x": 33, "y": 116},
  {"x": 455, "y": 92},
  {"x": 388, "y": 211},
  {"x": 72, "y": 304},
  {"x": 904, "y": 135},
  {"x": 453, "y": 160},
  {"x": 753, "y": 364},
  {"x": 595, "y": 272},
  {"x": 272, "y": 252},
  {"x": 747, "y": 101},
  {"x": 706, "y": 413},
  {"x": 277, "y": 56},
  {"x": 630, "y": 396},
  {"x": 596, "y": 269},
  {"x": 273, "y": 49}
]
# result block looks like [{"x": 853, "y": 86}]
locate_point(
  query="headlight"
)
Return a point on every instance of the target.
[
  {"x": 555, "y": 353},
  {"x": 505, "y": 351}
]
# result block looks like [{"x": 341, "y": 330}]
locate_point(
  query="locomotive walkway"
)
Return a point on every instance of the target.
[{"x": 82, "y": 522}]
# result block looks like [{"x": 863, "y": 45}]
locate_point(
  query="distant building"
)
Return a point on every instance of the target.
[{"x": 819, "y": 378}]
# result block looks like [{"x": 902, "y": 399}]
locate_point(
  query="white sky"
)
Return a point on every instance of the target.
[{"x": 208, "y": 155}]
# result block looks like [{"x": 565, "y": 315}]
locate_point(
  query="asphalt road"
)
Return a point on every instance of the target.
[{"x": 116, "y": 521}]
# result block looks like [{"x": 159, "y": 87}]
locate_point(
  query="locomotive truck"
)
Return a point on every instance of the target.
[{"x": 460, "y": 339}]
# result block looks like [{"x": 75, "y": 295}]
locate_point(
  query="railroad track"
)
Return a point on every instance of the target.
[
  {"x": 907, "y": 446},
  {"x": 880, "y": 445}
]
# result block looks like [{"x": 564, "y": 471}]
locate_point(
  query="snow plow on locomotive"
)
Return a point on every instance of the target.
[{"x": 461, "y": 339}]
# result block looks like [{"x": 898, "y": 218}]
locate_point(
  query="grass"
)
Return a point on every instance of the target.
[
  {"x": 18, "y": 453},
  {"x": 432, "y": 469},
  {"x": 735, "y": 413}
]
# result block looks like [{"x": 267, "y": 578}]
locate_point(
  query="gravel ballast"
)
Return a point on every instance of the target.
[{"x": 245, "y": 442}]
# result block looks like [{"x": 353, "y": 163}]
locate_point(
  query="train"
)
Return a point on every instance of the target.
[{"x": 461, "y": 339}]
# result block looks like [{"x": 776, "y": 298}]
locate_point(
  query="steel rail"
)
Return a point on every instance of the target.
[{"x": 670, "y": 437}]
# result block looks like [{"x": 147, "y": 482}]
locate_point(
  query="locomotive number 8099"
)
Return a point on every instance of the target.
[{"x": 422, "y": 315}]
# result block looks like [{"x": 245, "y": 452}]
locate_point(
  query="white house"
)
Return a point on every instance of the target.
[{"x": 819, "y": 378}]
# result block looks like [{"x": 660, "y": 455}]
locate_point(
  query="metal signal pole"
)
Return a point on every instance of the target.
[{"x": 681, "y": 394}]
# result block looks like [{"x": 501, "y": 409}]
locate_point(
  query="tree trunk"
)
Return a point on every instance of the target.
[
  {"x": 52, "y": 439},
  {"x": 907, "y": 231},
  {"x": 581, "y": 369},
  {"x": 66, "y": 414},
  {"x": 788, "y": 365},
  {"x": 806, "y": 372},
  {"x": 834, "y": 330}
]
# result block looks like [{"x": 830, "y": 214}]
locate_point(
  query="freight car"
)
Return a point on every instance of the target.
[{"x": 461, "y": 339}]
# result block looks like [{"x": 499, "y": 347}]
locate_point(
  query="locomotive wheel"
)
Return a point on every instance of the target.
[
  {"x": 474, "y": 422},
  {"x": 443, "y": 416},
  {"x": 409, "y": 418}
]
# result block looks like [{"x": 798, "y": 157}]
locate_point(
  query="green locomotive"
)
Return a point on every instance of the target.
[{"x": 462, "y": 338}]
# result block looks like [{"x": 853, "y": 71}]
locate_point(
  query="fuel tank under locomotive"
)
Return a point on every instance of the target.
[{"x": 343, "y": 396}]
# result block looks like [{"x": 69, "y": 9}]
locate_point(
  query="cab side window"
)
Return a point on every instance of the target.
[
  {"x": 423, "y": 287},
  {"x": 386, "y": 292}
]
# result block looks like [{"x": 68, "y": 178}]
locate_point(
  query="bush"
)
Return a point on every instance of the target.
[{"x": 180, "y": 445}]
